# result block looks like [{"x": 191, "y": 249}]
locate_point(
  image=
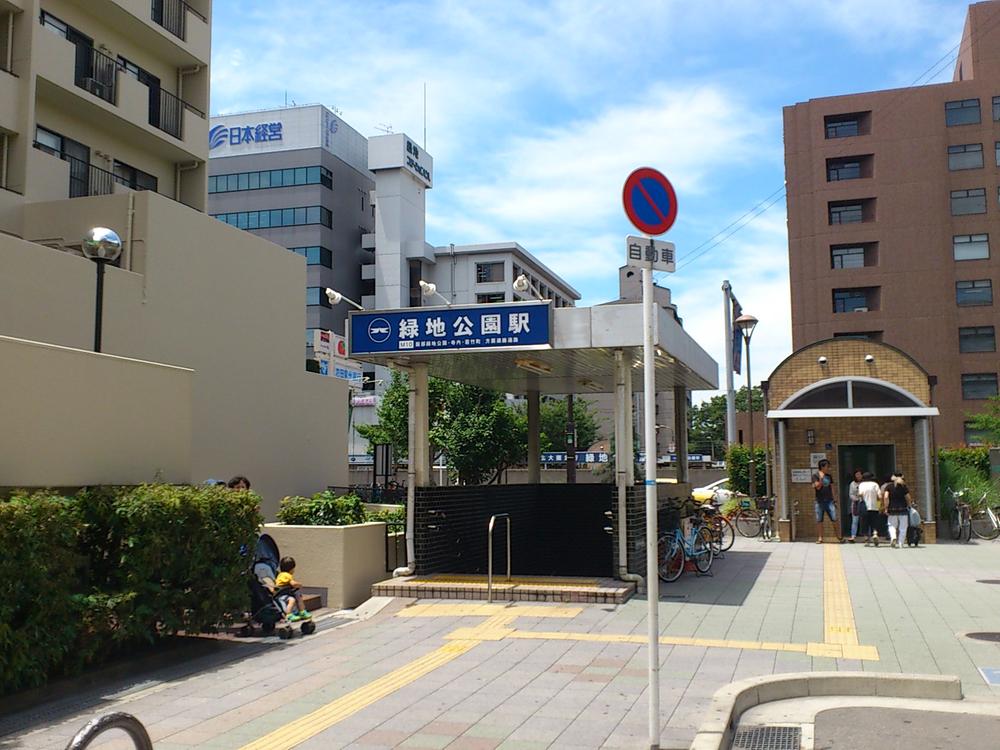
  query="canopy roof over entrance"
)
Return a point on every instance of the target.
[
  {"x": 852, "y": 396},
  {"x": 581, "y": 358}
]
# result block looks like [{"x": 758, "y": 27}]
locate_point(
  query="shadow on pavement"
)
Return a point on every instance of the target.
[{"x": 730, "y": 581}]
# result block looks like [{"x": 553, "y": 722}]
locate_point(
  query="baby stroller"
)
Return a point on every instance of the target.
[{"x": 264, "y": 606}]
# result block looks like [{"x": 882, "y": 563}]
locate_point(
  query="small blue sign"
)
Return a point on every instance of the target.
[
  {"x": 991, "y": 675},
  {"x": 516, "y": 325},
  {"x": 324, "y": 367},
  {"x": 582, "y": 457}
]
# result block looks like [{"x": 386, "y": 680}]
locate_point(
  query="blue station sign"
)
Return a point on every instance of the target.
[
  {"x": 582, "y": 457},
  {"x": 513, "y": 325}
]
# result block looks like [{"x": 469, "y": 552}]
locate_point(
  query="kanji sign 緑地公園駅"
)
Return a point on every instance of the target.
[
  {"x": 513, "y": 325},
  {"x": 649, "y": 200}
]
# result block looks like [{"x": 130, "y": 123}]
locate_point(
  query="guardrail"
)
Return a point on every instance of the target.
[
  {"x": 126, "y": 722},
  {"x": 172, "y": 15},
  {"x": 489, "y": 553}
]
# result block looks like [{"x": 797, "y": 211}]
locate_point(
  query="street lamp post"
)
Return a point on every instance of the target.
[
  {"x": 746, "y": 324},
  {"x": 103, "y": 246}
]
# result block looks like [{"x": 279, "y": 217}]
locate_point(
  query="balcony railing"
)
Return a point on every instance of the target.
[
  {"x": 172, "y": 15},
  {"x": 86, "y": 179},
  {"x": 167, "y": 114},
  {"x": 96, "y": 73}
]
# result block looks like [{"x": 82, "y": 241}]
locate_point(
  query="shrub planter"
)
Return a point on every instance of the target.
[{"x": 339, "y": 562}]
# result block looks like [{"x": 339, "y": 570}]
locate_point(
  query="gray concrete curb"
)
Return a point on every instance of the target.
[{"x": 716, "y": 732}]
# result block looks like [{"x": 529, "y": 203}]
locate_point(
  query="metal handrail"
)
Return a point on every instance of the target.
[
  {"x": 126, "y": 722},
  {"x": 489, "y": 546}
]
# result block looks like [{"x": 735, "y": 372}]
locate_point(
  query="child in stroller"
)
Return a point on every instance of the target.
[{"x": 265, "y": 607}]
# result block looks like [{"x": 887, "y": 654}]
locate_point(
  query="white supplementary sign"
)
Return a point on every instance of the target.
[
  {"x": 640, "y": 251},
  {"x": 815, "y": 458},
  {"x": 801, "y": 476},
  {"x": 399, "y": 150}
]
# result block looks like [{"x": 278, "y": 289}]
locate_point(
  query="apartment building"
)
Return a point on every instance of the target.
[
  {"x": 894, "y": 222},
  {"x": 102, "y": 96}
]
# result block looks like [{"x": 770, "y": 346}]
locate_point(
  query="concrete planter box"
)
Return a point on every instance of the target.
[{"x": 340, "y": 563}]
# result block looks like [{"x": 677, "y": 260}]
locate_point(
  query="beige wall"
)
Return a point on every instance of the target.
[
  {"x": 210, "y": 297},
  {"x": 72, "y": 417}
]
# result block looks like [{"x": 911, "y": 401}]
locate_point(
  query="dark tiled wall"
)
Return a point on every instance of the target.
[
  {"x": 555, "y": 529},
  {"x": 635, "y": 514}
]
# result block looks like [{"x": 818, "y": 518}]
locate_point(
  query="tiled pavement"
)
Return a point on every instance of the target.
[{"x": 510, "y": 690}]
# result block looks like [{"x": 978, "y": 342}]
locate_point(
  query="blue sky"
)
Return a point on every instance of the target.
[{"x": 537, "y": 111}]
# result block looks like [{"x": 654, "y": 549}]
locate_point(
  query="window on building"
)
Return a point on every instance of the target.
[
  {"x": 968, "y": 156},
  {"x": 847, "y": 212},
  {"x": 493, "y": 297},
  {"x": 849, "y": 168},
  {"x": 316, "y": 295},
  {"x": 416, "y": 274},
  {"x": 974, "y": 293},
  {"x": 854, "y": 300},
  {"x": 971, "y": 201},
  {"x": 975, "y": 436},
  {"x": 847, "y": 256},
  {"x": 489, "y": 272},
  {"x": 961, "y": 112},
  {"x": 315, "y": 255},
  {"x": 270, "y": 178},
  {"x": 847, "y": 125},
  {"x": 277, "y": 217},
  {"x": 996, "y": 108},
  {"x": 310, "y": 337},
  {"x": 53, "y": 24},
  {"x": 862, "y": 335},
  {"x": 49, "y": 142},
  {"x": 977, "y": 339},
  {"x": 971, "y": 246},
  {"x": 980, "y": 385},
  {"x": 134, "y": 178}
]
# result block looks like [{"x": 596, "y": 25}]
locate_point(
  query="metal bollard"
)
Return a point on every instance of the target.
[{"x": 126, "y": 722}]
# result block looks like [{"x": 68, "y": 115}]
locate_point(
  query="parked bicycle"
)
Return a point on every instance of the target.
[
  {"x": 960, "y": 522},
  {"x": 720, "y": 527},
  {"x": 754, "y": 518},
  {"x": 985, "y": 521},
  {"x": 675, "y": 549}
]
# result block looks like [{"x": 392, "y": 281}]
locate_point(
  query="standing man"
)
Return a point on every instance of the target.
[{"x": 822, "y": 483}]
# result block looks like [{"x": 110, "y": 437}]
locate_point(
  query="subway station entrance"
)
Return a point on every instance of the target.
[{"x": 531, "y": 349}]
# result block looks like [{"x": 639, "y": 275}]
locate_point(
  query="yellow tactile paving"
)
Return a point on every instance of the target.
[
  {"x": 300, "y": 730},
  {"x": 838, "y": 613}
]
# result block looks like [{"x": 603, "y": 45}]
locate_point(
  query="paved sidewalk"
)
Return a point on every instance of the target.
[{"x": 465, "y": 675}]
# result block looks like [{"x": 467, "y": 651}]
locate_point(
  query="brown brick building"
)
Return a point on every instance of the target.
[
  {"x": 858, "y": 404},
  {"x": 894, "y": 222}
]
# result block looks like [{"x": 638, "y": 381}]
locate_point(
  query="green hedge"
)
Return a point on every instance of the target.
[
  {"x": 85, "y": 577},
  {"x": 738, "y": 466},
  {"x": 322, "y": 509}
]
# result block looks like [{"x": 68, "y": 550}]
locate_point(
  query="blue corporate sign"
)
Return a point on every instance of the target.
[
  {"x": 650, "y": 201},
  {"x": 517, "y": 325},
  {"x": 582, "y": 457},
  {"x": 221, "y": 135}
]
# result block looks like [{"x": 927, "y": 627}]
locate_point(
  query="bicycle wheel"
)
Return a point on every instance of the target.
[
  {"x": 983, "y": 525},
  {"x": 955, "y": 524},
  {"x": 967, "y": 526},
  {"x": 748, "y": 522},
  {"x": 714, "y": 537},
  {"x": 671, "y": 557},
  {"x": 726, "y": 533},
  {"x": 702, "y": 548}
]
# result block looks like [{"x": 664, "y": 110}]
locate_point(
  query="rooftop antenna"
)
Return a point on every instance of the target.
[
  {"x": 286, "y": 97},
  {"x": 425, "y": 115},
  {"x": 385, "y": 128}
]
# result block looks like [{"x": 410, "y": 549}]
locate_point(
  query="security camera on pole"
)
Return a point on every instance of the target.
[{"x": 651, "y": 205}]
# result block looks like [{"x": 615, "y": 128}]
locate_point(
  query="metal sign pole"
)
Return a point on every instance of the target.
[
  {"x": 649, "y": 443},
  {"x": 727, "y": 306}
]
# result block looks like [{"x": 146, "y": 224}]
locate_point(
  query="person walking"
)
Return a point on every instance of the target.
[
  {"x": 898, "y": 504},
  {"x": 856, "y": 513},
  {"x": 822, "y": 482},
  {"x": 869, "y": 504}
]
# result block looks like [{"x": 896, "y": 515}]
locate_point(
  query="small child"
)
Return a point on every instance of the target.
[{"x": 286, "y": 588}]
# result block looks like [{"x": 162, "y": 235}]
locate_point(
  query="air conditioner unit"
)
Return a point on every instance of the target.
[
  {"x": 95, "y": 87},
  {"x": 860, "y": 309}
]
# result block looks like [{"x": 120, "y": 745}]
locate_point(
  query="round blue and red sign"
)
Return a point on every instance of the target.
[{"x": 650, "y": 201}]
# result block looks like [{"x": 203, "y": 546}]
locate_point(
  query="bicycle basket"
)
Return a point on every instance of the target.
[{"x": 765, "y": 503}]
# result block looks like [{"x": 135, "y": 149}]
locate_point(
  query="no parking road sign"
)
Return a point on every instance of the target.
[{"x": 650, "y": 201}]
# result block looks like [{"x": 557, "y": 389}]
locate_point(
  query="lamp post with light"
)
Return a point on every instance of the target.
[
  {"x": 746, "y": 324},
  {"x": 103, "y": 246}
]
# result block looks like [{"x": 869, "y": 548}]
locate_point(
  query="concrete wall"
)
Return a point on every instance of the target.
[
  {"x": 209, "y": 297},
  {"x": 340, "y": 562},
  {"x": 72, "y": 417}
]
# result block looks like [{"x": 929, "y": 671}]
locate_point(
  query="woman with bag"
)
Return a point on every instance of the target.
[{"x": 898, "y": 504}]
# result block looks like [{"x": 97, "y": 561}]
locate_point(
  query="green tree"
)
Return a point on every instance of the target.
[
  {"x": 707, "y": 432},
  {"x": 552, "y": 419},
  {"x": 475, "y": 427},
  {"x": 988, "y": 421}
]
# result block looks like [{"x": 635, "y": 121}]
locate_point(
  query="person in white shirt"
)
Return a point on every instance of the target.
[
  {"x": 869, "y": 495},
  {"x": 856, "y": 512}
]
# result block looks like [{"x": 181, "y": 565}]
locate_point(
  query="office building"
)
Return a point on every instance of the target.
[
  {"x": 102, "y": 124},
  {"x": 299, "y": 177},
  {"x": 102, "y": 97},
  {"x": 894, "y": 223}
]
